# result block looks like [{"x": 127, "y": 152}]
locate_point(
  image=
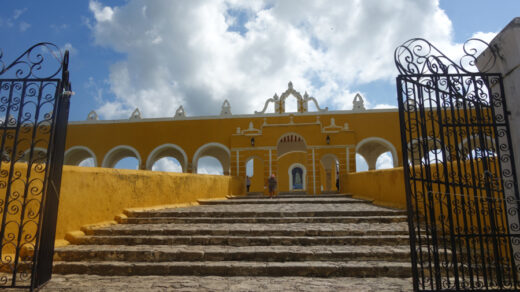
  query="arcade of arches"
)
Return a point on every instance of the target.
[{"x": 305, "y": 150}]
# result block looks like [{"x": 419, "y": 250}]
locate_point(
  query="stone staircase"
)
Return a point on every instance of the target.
[{"x": 329, "y": 235}]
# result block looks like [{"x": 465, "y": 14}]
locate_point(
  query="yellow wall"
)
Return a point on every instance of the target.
[
  {"x": 190, "y": 134},
  {"x": 385, "y": 186},
  {"x": 90, "y": 194}
]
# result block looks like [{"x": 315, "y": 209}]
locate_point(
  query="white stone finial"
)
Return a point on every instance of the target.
[
  {"x": 136, "y": 114},
  {"x": 358, "y": 104},
  {"x": 92, "y": 116},
  {"x": 290, "y": 86},
  {"x": 226, "y": 109},
  {"x": 179, "y": 113}
]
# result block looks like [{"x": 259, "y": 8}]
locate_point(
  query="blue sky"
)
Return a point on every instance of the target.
[
  {"x": 71, "y": 24},
  {"x": 157, "y": 55}
]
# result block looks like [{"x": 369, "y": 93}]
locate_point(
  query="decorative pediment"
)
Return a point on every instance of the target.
[
  {"x": 92, "y": 116},
  {"x": 279, "y": 102},
  {"x": 179, "y": 113},
  {"x": 251, "y": 131},
  {"x": 332, "y": 128},
  {"x": 358, "y": 104},
  {"x": 226, "y": 109},
  {"x": 136, "y": 115}
]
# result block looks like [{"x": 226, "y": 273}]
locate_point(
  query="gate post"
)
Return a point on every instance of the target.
[
  {"x": 506, "y": 46},
  {"x": 45, "y": 253}
]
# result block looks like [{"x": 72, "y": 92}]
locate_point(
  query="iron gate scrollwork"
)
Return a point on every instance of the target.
[
  {"x": 462, "y": 194},
  {"x": 34, "y": 108}
]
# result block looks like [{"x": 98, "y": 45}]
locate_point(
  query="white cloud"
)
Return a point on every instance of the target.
[
  {"x": 384, "y": 161},
  {"x": 209, "y": 165},
  {"x": 24, "y": 26},
  {"x": 72, "y": 50},
  {"x": 361, "y": 163},
  {"x": 198, "y": 53},
  {"x": 384, "y": 106},
  {"x": 167, "y": 164},
  {"x": 18, "y": 12},
  {"x": 101, "y": 13}
]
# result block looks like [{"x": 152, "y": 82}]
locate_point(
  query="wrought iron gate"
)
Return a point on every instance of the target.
[
  {"x": 34, "y": 109},
  {"x": 462, "y": 194}
]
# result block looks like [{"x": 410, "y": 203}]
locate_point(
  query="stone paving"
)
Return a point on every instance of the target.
[
  {"x": 84, "y": 283},
  {"x": 299, "y": 243}
]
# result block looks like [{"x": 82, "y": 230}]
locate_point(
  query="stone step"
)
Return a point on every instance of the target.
[
  {"x": 269, "y": 220},
  {"x": 244, "y": 240},
  {"x": 239, "y": 229},
  {"x": 288, "y": 196},
  {"x": 282, "y": 201},
  {"x": 165, "y": 253},
  {"x": 237, "y": 268},
  {"x": 238, "y": 213}
]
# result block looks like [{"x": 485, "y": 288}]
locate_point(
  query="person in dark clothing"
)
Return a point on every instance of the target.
[
  {"x": 272, "y": 185},
  {"x": 248, "y": 183},
  {"x": 337, "y": 181}
]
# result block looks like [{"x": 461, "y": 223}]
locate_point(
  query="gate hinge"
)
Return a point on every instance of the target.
[{"x": 508, "y": 113}]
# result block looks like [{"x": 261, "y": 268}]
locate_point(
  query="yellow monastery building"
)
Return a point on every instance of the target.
[{"x": 305, "y": 150}]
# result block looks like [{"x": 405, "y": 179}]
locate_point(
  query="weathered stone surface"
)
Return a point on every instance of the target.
[
  {"x": 285, "y": 229},
  {"x": 299, "y": 238},
  {"x": 163, "y": 253},
  {"x": 268, "y": 220},
  {"x": 94, "y": 283}
]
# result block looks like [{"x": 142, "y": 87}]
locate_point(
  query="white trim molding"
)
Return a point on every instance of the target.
[
  {"x": 72, "y": 149},
  {"x": 152, "y": 159},
  {"x": 108, "y": 159}
]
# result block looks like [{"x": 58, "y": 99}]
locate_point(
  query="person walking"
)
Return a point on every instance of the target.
[
  {"x": 248, "y": 183},
  {"x": 272, "y": 185}
]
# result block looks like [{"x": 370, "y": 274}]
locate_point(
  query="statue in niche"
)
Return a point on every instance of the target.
[
  {"x": 298, "y": 179},
  {"x": 297, "y": 174}
]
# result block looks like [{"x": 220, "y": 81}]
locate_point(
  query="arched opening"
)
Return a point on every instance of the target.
[
  {"x": 39, "y": 155},
  {"x": 329, "y": 172},
  {"x": 290, "y": 142},
  {"x": 478, "y": 147},
  {"x": 167, "y": 157},
  {"x": 361, "y": 163},
  {"x": 426, "y": 151},
  {"x": 127, "y": 163},
  {"x": 213, "y": 150},
  {"x": 80, "y": 156},
  {"x": 122, "y": 156},
  {"x": 168, "y": 164},
  {"x": 291, "y": 104},
  {"x": 384, "y": 161},
  {"x": 297, "y": 177},
  {"x": 209, "y": 165},
  {"x": 255, "y": 171},
  {"x": 373, "y": 147}
]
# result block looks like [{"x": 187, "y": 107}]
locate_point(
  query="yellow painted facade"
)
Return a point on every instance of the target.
[
  {"x": 305, "y": 150},
  {"x": 93, "y": 195}
]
